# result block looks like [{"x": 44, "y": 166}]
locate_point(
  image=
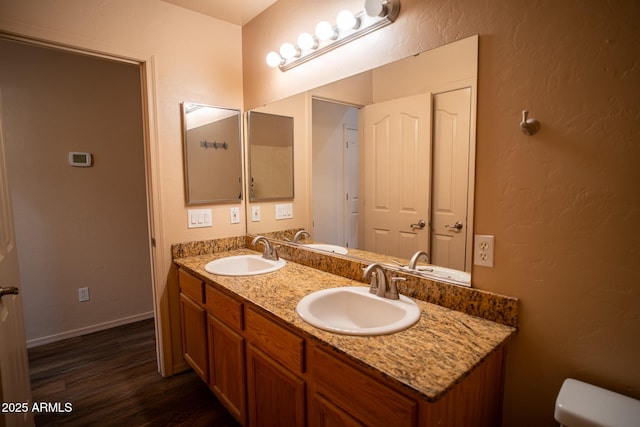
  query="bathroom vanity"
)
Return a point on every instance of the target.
[{"x": 241, "y": 334}]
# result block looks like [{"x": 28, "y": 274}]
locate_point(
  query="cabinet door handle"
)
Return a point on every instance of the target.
[
  {"x": 8, "y": 291},
  {"x": 456, "y": 226}
]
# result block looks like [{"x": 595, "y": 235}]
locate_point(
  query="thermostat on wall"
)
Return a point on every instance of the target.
[{"x": 80, "y": 159}]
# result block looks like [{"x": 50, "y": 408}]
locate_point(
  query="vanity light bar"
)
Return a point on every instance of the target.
[{"x": 349, "y": 26}]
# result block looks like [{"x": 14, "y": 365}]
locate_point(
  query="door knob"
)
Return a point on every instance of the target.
[
  {"x": 419, "y": 226},
  {"x": 8, "y": 291},
  {"x": 456, "y": 226}
]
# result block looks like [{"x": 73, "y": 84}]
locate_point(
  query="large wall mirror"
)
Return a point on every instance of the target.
[
  {"x": 212, "y": 154},
  {"x": 393, "y": 157},
  {"x": 270, "y": 139}
]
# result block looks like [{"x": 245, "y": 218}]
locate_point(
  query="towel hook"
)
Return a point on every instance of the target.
[{"x": 529, "y": 126}]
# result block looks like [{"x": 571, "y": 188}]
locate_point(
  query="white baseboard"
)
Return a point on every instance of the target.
[{"x": 35, "y": 342}]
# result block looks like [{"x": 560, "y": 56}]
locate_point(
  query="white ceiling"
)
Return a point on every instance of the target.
[{"x": 237, "y": 12}]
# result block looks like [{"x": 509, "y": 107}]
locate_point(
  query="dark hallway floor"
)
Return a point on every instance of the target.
[{"x": 110, "y": 378}]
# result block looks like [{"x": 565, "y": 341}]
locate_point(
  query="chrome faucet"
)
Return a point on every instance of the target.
[
  {"x": 270, "y": 251},
  {"x": 379, "y": 281},
  {"x": 414, "y": 259},
  {"x": 302, "y": 233}
]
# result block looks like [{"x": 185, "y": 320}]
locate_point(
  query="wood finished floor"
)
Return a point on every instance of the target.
[{"x": 111, "y": 379}]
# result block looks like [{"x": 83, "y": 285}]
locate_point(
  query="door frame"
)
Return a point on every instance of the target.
[{"x": 160, "y": 259}]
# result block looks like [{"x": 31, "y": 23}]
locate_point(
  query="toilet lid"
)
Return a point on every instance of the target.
[{"x": 584, "y": 405}]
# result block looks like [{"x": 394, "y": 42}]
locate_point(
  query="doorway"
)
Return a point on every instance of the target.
[
  {"x": 77, "y": 227},
  {"x": 335, "y": 173}
]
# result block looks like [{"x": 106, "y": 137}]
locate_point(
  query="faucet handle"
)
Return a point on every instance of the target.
[
  {"x": 393, "y": 288},
  {"x": 373, "y": 285},
  {"x": 274, "y": 252}
]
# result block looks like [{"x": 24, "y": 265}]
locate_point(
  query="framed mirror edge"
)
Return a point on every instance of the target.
[
  {"x": 472, "y": 82},
  {"x": 189, "y": 201},
  {"x": 249, "y": 162}
]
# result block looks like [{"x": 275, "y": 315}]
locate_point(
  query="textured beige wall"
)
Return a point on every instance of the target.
[
  {"x": 188, "y": 57},
  {"x": 564, "y": 204}
]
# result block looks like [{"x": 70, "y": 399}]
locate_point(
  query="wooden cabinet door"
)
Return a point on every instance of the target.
[
  {"x": 226, "y": 363},
  {"x": 194, "y": 336},
  {"x": 276, "y": 396},
  {"x": 354, "y": 392},
  {"x": 323, "y": 413}
]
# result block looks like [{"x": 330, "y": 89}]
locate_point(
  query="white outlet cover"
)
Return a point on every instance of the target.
[
  {"x": 234, "y": 213},
  {"x": 483, "y": 248},
  {"x": 255, "y": 213}
]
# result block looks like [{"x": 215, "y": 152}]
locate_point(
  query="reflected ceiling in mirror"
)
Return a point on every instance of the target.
[{"x": 212, "y": 154}]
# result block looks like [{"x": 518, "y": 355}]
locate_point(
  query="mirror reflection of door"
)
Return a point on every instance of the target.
[
  {"x": 335, "y": 173},
  {"x": 396, "y": 175},
  {"x": 451, "y": 147}
]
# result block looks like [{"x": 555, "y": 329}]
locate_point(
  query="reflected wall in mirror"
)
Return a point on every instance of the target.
[
  {"x": 408, "y": 170},
  {"x": 270, "y": 156},
  {"x": 212, "y": 154}
]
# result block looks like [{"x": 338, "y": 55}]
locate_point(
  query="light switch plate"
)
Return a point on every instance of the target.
[
  {"x": 284, "y": 211},
  {"x": 198, "y": 218}
]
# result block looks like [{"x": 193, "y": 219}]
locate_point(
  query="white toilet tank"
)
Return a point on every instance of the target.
[{"x": 584, "y": 405}]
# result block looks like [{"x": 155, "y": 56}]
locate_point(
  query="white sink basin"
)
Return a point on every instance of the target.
[
  {"x": 446, "y": 273},
  {"x": 243, "y": 265},
  {"x": 352, "y": 310},
  {"x": 327, "y": 248}
]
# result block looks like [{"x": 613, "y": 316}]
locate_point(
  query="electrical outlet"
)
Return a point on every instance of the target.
[
  {"x": 483, "y": 250},
  {"x": 235, "y": 215},
  {"x": 83, "y": 294},
  {"x": 255, "y": 213}
]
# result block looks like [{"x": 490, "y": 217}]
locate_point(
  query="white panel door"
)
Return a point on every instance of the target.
[
  {"x": 15, "y": 386},
  {"x": 396, "y": 171},
  {"x": 451, "y": 143}
]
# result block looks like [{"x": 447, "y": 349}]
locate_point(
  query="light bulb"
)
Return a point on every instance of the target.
[
  {"x": 307, "y": 42},
  {"x": 274, "y": 59},
  {"x": 288, "y": 51},
  {"x": 375, "y": 8},
  {"x": 346, "y": 20},
  {"x": 325, "y": 31}
]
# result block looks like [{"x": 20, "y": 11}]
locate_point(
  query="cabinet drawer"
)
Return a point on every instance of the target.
[
  {"x": 224, "y": 308},
  {"x": 191, "y": 286},
  {"x": 366, "y": 399},
  {"x": 279, "y": 343}
]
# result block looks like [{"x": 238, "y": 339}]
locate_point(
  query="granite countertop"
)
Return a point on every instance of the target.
[{"x": 429, "y": 358}]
